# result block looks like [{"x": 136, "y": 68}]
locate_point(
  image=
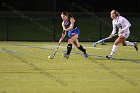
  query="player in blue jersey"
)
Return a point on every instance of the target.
[{"x": 69, "y": 25}]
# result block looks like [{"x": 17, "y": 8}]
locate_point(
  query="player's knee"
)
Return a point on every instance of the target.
[
  {"x": 116, "y": 43},
  {"x": 123, "y": 44},
  {"x": 70, "y": 41}
]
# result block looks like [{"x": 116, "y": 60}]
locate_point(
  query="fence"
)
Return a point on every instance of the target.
[{"x": 46, "y": 26}]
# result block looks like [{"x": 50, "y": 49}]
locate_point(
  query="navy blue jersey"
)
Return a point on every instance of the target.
[
  {"x": 68, "y": 23},
  {"x": 74, "y": 31}
]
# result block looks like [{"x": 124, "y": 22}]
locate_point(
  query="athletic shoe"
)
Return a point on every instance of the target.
[
  {"x": 85, "y": 54},
  {"x": 66, "y": 55},
  {"x": 109, "y": 57},
  {"x": 136, "y": 46}
]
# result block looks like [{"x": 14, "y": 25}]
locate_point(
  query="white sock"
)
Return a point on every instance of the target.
[
  {"x": 114, "y": 48},
  {"x": 129, "y": 43}
]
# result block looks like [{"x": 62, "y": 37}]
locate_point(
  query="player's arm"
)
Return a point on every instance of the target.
[
  {"x": 71, "y": 25},
  {"x": 64, "y": 32},
  {"x": 63, "y": 26},
  {"x": 126, "y": 22},
  {"x": 127, "y": 25},
  {"x": 113, "y": 31}
]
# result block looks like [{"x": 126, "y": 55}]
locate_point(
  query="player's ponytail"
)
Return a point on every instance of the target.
[{"x": 70, "y": 15}]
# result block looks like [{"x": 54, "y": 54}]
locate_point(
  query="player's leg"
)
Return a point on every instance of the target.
[
  {"x": 120, "y": 39},
  {"x": 69, "y": 46},
  {"x": 127, "y": 43},
  {"x": 80, "y": 47}
]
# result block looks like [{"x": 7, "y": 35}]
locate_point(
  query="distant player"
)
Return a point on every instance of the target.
[
  {"x": 123, "y": 26},
  {"x": 69, "y": 25}
]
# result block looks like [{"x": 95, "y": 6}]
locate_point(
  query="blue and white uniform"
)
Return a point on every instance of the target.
[{"x": 72, "y": 32}]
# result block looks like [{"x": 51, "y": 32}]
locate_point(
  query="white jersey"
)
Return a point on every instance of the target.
[{"x": 121, "y": 23}]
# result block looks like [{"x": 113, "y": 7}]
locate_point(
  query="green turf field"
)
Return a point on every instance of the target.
[{"x": 25, "y": 68}]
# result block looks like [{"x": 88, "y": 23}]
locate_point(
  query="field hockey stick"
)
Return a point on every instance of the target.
[
  {"x": 57, "y": 47},
  {"x": 104, "y": 39}
]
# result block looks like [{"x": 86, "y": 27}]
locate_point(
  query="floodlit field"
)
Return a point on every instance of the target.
[{"x": 25, "y": 68}]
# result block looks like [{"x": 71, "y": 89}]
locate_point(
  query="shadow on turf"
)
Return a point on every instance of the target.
[
  {"x": 115, "y": 59},
  {"x": 97, "y": 56},
  {"x": 104, "y": 58}
]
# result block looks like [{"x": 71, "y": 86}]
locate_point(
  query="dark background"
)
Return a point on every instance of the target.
[{"x": 61, "y": 5}]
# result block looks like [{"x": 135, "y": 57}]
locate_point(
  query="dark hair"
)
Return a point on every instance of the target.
[
  {"x": 67, "y": 14},
  {"x": 116, "y": 12}
]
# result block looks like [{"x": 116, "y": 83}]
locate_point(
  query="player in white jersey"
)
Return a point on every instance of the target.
[{"x": 123, "y": 32}]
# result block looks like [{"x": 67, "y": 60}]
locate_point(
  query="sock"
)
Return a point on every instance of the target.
[
  {"x": 69, "y": 48},
  {"x": 82, "y": 49},
  {"x": 129, "y": 43},
  {"x": 114, "y": 48}
]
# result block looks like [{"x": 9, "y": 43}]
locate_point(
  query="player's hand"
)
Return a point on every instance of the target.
[
  {"x": 110, "y": 36},
  {"x": 64, "y": 29},
  {"x": 121, "y": 32}
]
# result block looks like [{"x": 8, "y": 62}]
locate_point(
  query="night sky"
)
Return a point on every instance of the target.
[{"x": 61, "y": 5}]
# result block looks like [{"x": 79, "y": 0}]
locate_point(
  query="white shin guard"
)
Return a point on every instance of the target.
[{"x": 114, "y": 48}]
